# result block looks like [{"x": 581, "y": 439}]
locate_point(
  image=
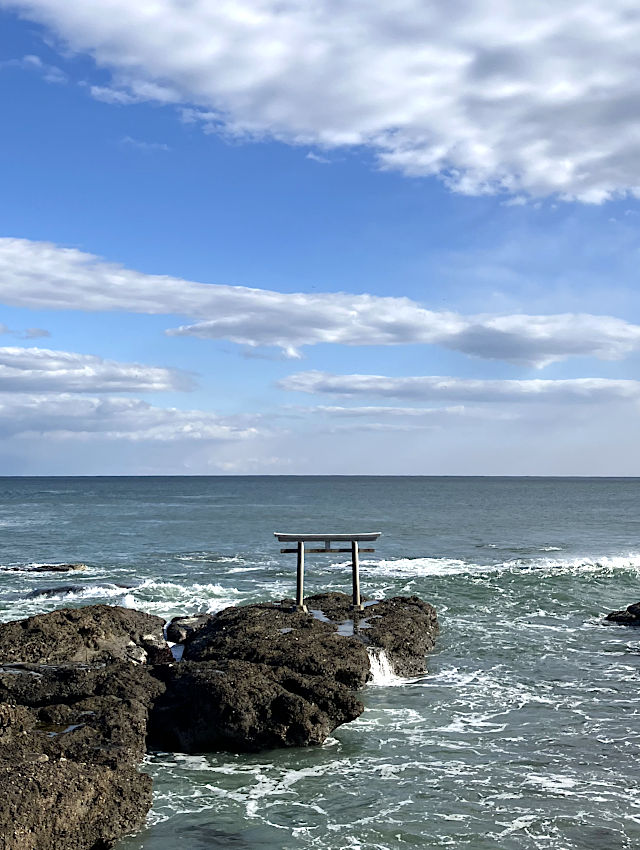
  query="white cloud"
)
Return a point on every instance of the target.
[
  {"x": 43, "y": 275},
  {"x": 433, "y": 388},
  {"x": 428, "y": 414},
  {"x": 50, "y": 73},
  {"x": 145, "y": 147},
  {"x": 39, "y": 369},
  {"x": 72, "y": 417},
  {"x": 533, "y": 97}
]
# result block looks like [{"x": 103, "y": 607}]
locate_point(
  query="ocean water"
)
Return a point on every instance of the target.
[{"x": 525, "y": 731}]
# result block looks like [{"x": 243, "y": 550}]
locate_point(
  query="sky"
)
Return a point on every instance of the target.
[{"x": 294, "y": 237}]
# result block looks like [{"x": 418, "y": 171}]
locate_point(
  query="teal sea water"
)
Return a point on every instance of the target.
[{"x": 525, "y": 731}]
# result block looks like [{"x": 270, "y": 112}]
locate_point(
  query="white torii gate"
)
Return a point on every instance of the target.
[{"x": 353, "y": 539}]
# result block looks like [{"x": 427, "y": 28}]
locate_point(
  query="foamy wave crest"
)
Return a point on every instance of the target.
[
  {"x": 169, "y": 599},
  {"x": 414, "y": 567}
]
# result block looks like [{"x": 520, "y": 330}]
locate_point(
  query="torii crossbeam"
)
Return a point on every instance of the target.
[{"x": 353, "y": 539}]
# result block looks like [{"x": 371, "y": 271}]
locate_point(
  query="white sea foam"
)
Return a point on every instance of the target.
[{"x": 382, "y": 673}]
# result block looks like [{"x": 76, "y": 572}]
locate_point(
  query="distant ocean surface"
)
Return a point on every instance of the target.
[{"x": 525, "y": 732}]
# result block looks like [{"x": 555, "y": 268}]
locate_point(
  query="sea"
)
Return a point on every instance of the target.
[{"x": 523, "y": 733}]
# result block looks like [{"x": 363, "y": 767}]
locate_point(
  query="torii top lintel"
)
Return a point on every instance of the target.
[{"x": 340, "y": 537}]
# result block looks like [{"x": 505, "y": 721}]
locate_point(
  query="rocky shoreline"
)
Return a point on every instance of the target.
[{"x": 85, "y": 692}]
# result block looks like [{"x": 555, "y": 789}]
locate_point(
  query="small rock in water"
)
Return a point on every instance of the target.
[
  {"x": 55, "y": 591},
  {"x": 629, "y": 617},
  {"x": 46, "y": 568}
]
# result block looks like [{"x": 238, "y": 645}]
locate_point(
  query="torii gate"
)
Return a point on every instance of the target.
[{"x": 353, "y": 539}]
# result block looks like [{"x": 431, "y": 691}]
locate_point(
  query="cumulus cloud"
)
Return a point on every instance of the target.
[
  {"x": 40, "y": 369},
  {"x": 43, "y": 275},
  {"x": 67, "y": 416},
  {"x": 432, "y": 388},
  {"x": 534, "y": 97}
]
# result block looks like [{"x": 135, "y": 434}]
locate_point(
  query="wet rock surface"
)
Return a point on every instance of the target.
[
  {"x": 405, "y": 627},
  {"x": 272, "y": 634},
  {"x": 629, "y": 617}
]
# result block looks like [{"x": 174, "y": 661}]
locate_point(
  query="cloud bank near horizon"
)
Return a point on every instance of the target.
[
  {"x": 42, "y": 275},
  {"x": 65, "y": 416},
  {"x": 486, "y": 96}
]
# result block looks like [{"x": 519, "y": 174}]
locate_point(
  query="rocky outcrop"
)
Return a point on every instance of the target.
[
  {"x": 263, "y": 676},
  {"x": 404, "y": 627},
  {"x": 246, "y": 707},
  {"x": 70, "y": 806},
  {"x": 629, "y": 617},
  {"x": 71, "y": 737},
  {"x": 273, "y": 635},
  {"x": 84, "y": 692},
  {"x": 89, "y": 634},
  {"x": 74, "y": 707}
]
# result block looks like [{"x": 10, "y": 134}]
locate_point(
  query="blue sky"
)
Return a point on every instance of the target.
[{"x": 436, "y": 216}]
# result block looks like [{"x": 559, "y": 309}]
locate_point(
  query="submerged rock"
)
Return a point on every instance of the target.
[
  {"x": 92, "y": 633},
  {"x": 629, "y": 617},
  {"x": 47, "y": 568}
]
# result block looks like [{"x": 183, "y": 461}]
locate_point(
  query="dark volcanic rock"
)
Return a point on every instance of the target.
[
  {"x": 71, "y": 737},
  {"x": 405, "y": 627},
  {"x": 181, "y": 628},
  {"x": 92, "y": 633},
  {"x": 78, "y": 705},
  {"x": 246, "y": 707},
  {"x": 270, "y": 634},
  {"x": 61, "y": 589},
  {"x": 55, "y": 591},
  {"x": 629, "y": 617},
  {"x": 69, "y": 806}
]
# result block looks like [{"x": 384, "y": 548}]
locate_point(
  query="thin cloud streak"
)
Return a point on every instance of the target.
[
  {"x": 43, "y": 275},
  {"x": 434, "y": 388},
  {"x": 40, "y": 369}
]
